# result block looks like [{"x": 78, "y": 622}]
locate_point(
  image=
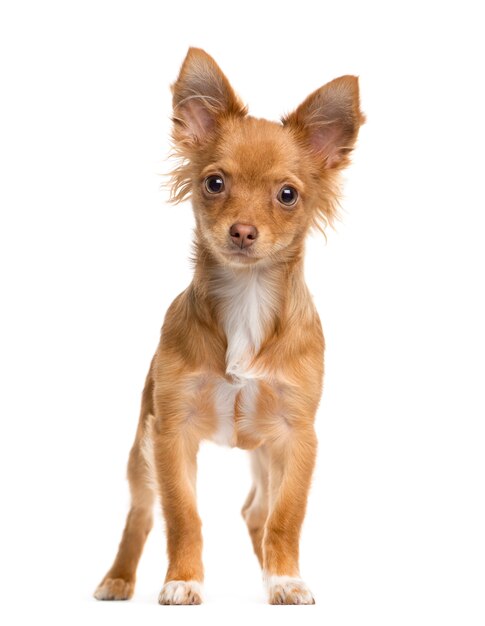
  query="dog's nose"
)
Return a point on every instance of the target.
[{"x": 243, "y": 235}]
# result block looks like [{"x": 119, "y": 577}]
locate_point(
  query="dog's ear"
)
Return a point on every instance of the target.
[
  {"x": 201, "y": 95},
  {"x": 328, "y": 121}
]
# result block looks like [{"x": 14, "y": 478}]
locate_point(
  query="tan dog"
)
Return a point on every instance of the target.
[{"x": 240, "y": 360}]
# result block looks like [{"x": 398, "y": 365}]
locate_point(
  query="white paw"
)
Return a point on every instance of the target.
[
  {"x": 114, "y": 589},
  {"x": 288, "y": 590},
  {"x": 181, "y": 592}
]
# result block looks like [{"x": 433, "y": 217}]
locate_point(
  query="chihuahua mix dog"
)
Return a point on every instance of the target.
[{"x": 240, "y": 359}]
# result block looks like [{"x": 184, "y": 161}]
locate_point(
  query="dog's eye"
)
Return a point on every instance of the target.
[
  {"x": 214, "y": 184},
  {"x": 288, "y": 196}
]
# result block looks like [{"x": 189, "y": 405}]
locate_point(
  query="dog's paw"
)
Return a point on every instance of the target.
[
  {"x": 288, "y": 590},
  {"x": 114, "y": 589},
  {"x": 181, "y": 592}
]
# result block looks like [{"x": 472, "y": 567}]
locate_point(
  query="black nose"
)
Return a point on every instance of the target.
[{"x": 243, "y": 235}]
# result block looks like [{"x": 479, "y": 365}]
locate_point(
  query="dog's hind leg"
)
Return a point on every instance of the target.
[
  {"x": 255, "y": 509},
  {"x": 119, "y": 582}
]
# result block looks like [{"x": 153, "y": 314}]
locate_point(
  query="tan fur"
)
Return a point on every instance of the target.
[{"x": 244, "y": 339}]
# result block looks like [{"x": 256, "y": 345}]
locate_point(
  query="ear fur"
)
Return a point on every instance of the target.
[
  {"x": 201, "y": 94},
  {"x": 329, "y": 120}
]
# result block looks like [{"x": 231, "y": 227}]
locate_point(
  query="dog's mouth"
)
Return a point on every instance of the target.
[{"x": 240, "y": 256}]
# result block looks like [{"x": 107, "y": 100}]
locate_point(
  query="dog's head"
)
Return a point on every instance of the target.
[{"x": 258, "y": 186}]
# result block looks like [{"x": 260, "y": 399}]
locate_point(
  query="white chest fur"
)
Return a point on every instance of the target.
[
  {"x": 225, "y": 396},
  {"x": 247, "y": 302}
]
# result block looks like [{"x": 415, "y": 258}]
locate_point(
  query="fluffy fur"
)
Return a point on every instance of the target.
[{"x": 240, "y": 358}]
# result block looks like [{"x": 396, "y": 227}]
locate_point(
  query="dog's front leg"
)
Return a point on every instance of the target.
[
  {"x": 175, "y": 456},
  {"x": 291, "y": 462}
]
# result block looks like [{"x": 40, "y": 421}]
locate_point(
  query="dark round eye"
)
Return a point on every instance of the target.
[
  {"x": 288, "y": 196},
  {"x": 214, "y": 184}
]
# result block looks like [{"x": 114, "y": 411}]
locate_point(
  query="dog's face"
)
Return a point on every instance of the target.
[
  {"x": 258, "y": 186},
  {"x": 250, "y": 192}
]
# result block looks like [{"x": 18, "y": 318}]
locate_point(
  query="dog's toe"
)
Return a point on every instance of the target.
[
  {"x": 114, "y": 589},
  {"x": 288, "y": 590},
  {"x": 181, "y": 592}
]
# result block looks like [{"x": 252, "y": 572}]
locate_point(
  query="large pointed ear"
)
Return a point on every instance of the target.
[
  {"x": 329, "y": 120},
  {"x": 201, "y": 94}
]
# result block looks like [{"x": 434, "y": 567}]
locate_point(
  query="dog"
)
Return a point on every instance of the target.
[{"x": 240, "y": 359}]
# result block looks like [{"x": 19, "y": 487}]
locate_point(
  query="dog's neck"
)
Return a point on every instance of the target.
[
  {"x": 248, "y": 303},
  {"x": 279, "y": 278}
]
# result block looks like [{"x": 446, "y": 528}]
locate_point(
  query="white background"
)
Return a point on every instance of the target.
[{"x": 92, "y": 255}]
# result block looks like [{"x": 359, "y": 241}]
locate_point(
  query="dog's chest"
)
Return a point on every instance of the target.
[
  {"x": 235, "y": 410},
  {"x": 246, "y": 305}
]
